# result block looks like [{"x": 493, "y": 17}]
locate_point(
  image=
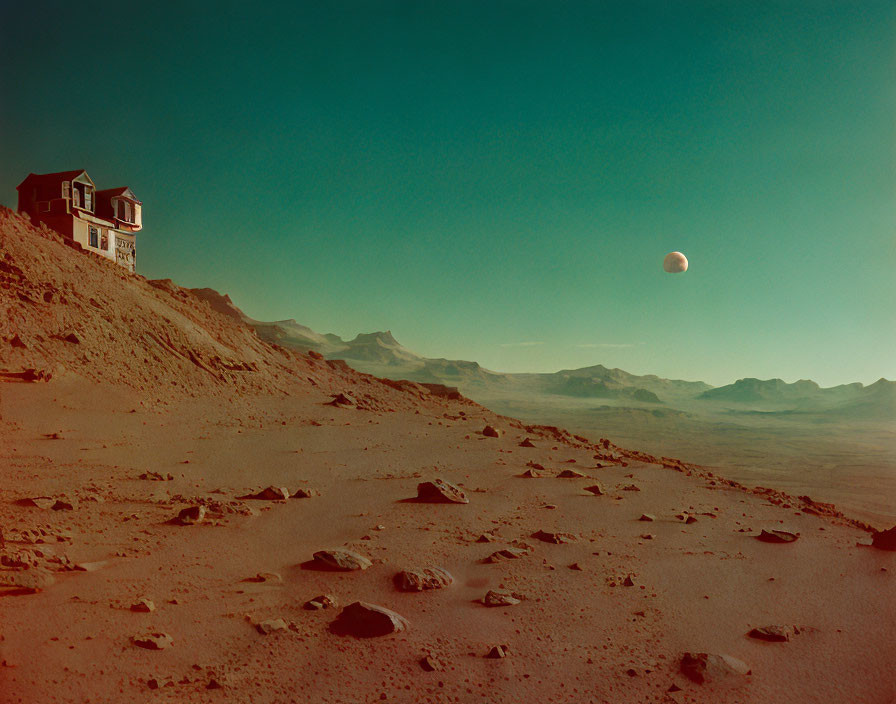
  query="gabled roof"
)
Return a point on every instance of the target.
[
  {"x": 120, "y": 192},
  {"x": 49, "y": 179}
]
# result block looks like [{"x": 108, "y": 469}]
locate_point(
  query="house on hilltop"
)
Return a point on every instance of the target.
[{"x": 104, "y": 222}]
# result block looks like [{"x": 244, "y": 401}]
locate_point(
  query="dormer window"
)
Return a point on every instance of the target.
[{"x": 124, "y": 211}]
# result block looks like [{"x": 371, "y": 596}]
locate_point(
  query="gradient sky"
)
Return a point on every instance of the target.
[{"x": 496, "y": 181}]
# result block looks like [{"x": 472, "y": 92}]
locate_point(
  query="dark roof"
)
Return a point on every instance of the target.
[
  {"x": 45, "y": 179},
  {"x": 113, "y": 192}
]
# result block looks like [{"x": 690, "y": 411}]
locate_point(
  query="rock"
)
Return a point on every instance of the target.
[
  {"x": 709, "y": 667},
  {"x": 631, "y": 487},
  {"x": 777, "y": 536},
  {"x": 271, "y": 625},
  {"x": 486, "y": 538},
  {"x": 341, "y": 400},
  {"x": 556, "y": 538},
  {"x": 30, "y": 581},
  {"x": 647, "y": 536},
  {"x": 152, "y": 684},
  {"x": 418, "y": 580},
  {"x": 595, "y": 489},
  {"x": 305, "y": 493},
  {"x": 368, "y": 621},
  {"x": 430, "y": 664},
  {"x": 265, "y": 578},
  {"x": 324, "y": 601},
  {"x": 191, "y": 515},
  {"x": 213, "y": 684},
  {"x": 73, "y": 338},
  {"x": 440, "y": 491},
  {"x": 884, "y": 539},
  {"x": 342, "y": 560},
  {"x": 48, "y": 503},
  {"x": 534, "y": 474},
  {"x": 156, "y": 477},
  {"x": 272, "y": 493},
  {"x": 143, "y": 606},
  {"x": 497, "y": 652},
  {"x": 775, "y": 634},
  {"x": 571, "y": 474},
  {"x": 576, "y": 566},
  {"x": 153, "y": 641},
  {"x": 628, "y": 581},
  {"x": 647, "y": 517},
  {"x": 499, "y": 597},
  {"x": 491, "y": 432},
  {"x": 506, "y": 554},
  {"x": 535, "y": 465},
  {"x": 527, "y": 443},
  {"x": 690, "y": 519}
]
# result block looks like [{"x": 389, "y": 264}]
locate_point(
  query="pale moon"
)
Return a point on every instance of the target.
[{"x": 675, "y": 263}]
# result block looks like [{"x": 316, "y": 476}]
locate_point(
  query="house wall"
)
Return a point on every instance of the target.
[
  {"x": 81, "y": 235},
  {"x": 125, "y": 250}
]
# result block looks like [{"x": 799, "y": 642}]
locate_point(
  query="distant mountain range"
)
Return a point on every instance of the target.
[{"x": 381, "y": 354}]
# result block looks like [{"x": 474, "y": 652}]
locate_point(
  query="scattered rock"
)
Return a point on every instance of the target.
[
  {"x": 777, "y": 536},
  {"x": 775, "y": 634},
  {"x": 418, "y": 580},
  {"x": 341, "y": 560},
  {"x": 647, "y": 517},
  {"x": 556, "y": 538},
  {"x": 884, "y": 539},
  {"x": 272, "y": 493},
  {"x": 506, "y": 554},
  {"x": 571, "y": 474},
  {"x": 527, "y": 443},
  {"x": 368, "y": 621},
  {"x": 440, "y": 491},
  {"x": 498, "y": 651},
  {"x": 153, "y": 641},
  {"x": 191, "y": 515},
  {"x": 271, "y": 625},
  {"x": 324, "y": 601},
  {"x": 143, "y": 606},
  {"x": 709, "y": 667},
  {"x": 500, "y": 597},
  {"x": 491, "y": 432},
  {"x": 595, "y": 489}
]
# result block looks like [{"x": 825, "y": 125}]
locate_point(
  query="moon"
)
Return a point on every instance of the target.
[{"x": 675, "y": 263}]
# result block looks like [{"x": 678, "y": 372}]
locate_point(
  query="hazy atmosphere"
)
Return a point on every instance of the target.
[{"x": 497, "y": 181}]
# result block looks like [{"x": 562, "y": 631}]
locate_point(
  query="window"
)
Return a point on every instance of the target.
[
  {"x": 104, "y": 241},
  {"x": 66, "y": 189},
  {"x": 94, "y": 237}
]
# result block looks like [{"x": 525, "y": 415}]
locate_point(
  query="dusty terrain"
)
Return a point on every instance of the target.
[{"x": 159, "y": 384}]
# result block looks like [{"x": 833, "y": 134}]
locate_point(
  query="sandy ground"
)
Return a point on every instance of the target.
[
  {"x": 144, "y": 377},
  {"x": 576, "y": 636}
]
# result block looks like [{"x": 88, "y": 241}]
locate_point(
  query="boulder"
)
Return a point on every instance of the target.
[
  {"x": 595, "y": 489},
  {"x": 884, "y": 539},
  {"x": 440, "y": 491},
  {"x": 500, "y": 597},
  {"x": 506, "y": 554},
  {"x": 191, "y": 515},
  {"x": 418, "y": 580},
  {"x": 324, "y": 601},
  {"x": 497, "y": 652},
  {"x": 556, "y": 538},
  {"x": 709, "y": 667},
  {"x": 491, "y": 432},
  {"x": 777, "y": 536},
  {"x": 153, "y": 641},
  {"x": 430, "y": 664},
  {"x": 527, "y": 443},
  {"x": 143, "y": 606},
  {"x": 534, "y": 474},
  {"x": 341, "y": 560},
  {"x": 571, "y": 474},
  {"x": 775, "y": 634},
  {"x": 365, "y": 620},
  {"x": 304, "y": 493},
  {"x": 272, "y": 493},
  {"x": 271, "y": 625},
  {"x": 647, "y": 517}
]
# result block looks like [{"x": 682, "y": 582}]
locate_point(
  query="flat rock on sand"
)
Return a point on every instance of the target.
[
  {"x": 341, "y": 560},
  {"x": 708, "y": 667},
  {"x": 365, "y": 620},
  {"x": 506, "y": 554},
  {"x": 775, "y": 634},
  {"x": 440, "y": 491},
  {"x": 418, "y": 580},
  {"x": 777, "y": 536},
  {"x": 500, "y": 597},
  {"x": 153, "y": 641}
]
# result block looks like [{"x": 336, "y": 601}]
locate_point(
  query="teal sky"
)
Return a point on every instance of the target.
[{"x": 496, "y": 181}]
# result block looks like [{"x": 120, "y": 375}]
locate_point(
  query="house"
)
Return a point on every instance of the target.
[{"x": 104, "y": 222}]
